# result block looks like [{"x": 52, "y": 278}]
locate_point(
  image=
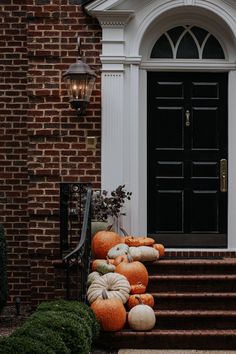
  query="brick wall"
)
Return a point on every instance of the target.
[
  {"x": 14, "y": 142},
  {"x": 43, "y": 140}
]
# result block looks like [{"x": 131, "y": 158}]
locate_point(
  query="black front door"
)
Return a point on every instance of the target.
[{"x": 187, "y": 158}]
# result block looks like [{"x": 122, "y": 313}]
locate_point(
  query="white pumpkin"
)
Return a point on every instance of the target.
[
  {"x": 148, "y": 254},
  {"x": 118, "y": 250},
  {"x": 92, "y": 276},
  {"x": 135, "y": 253},
  {"x": 141, "y": 318},
  {"x": 144, "y": 253},
  {"x": 116, "y": 285}
]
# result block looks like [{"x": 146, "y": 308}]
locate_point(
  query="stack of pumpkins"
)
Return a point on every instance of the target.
[{"x": 119, "y": 277}]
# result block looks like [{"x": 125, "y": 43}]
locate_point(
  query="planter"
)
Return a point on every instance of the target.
[{"x": 98, "y": 226}]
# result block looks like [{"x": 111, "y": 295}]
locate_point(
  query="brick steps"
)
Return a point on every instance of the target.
[
  {"x": 170, "y": 339},
  {"x": 195, "y": 307},
  {"x": 193, "y": 266},
  {"x": 195, "y": 301},
  {"x": 192, "y": 283},
  {"x": 195, "y": 320}
]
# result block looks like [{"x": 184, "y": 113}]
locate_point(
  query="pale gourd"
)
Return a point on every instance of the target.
[
  {"x": 118, "y": 250},
  {"x": 106, "y": 267},
  {"x": 148, "y": 254},
  {"x": 141, "y": 318},
  {"x": 135, "y": 253},
  {"x": 92, "y": 276},
  {"x": 144, "y": 253},
  {"x": 116, "y": 286}
]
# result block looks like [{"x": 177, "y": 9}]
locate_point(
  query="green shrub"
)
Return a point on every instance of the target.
[
  {"x": 44, "y": 335},
  {"x": 23, "y": 345},
  {"x": 76, "y": 333},
  {"x": 78, "y": 308},
  {"x": 3, "y": 269}
]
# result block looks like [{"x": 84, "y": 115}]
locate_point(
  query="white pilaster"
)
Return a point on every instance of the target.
[{"x": 112, "y": 129}]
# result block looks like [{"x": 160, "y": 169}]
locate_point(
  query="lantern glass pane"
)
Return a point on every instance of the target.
[{"x": 80, "y": 87}]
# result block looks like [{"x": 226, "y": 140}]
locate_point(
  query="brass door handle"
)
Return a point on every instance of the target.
[
  {"x": 187, "y": 120},
  {"x": 223, "y": 175}
]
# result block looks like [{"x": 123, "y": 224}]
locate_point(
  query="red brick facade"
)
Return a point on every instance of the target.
[{"x": 43, "y": 142}]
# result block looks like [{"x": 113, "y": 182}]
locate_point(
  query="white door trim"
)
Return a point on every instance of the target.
[{"x": 129, "y": 30}]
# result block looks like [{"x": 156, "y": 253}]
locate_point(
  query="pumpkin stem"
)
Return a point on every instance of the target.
[
  {"x": 139, "y": 300},
  {"x": 125, "y": 233},
  {"x": 109, "y": 227},
  {"x": 129, "y": 257},
  {"x": 104, "y": 295}
]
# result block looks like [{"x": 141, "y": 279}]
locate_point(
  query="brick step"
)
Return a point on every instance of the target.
[
  {"x": 192, "y": 283},
  {"x": 195, "y": 320},
  {"x": 195, "y": 301},
  {"x": 169, "y": 339},
  {"x": 192, "y": 266}
]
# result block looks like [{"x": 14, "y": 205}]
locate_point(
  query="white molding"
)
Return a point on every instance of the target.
[
  {"x": 187, "y": 65},
  {"x": 189, "y": 2},
  {"x": 109, "y": 59},
  {"x": 112, "y": 18}
]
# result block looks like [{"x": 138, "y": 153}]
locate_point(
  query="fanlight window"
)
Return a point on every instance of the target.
[{"x": 187, "y": 42}]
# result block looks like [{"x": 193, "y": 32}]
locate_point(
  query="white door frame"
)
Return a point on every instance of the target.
[{"x": 128, "y": 36}]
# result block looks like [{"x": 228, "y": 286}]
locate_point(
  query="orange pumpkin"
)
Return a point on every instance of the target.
[
  {"x": 98, "y": 262},
  {"x": 138, "y": 288},
  {"x": 139, "y": 241},
  {"x": 135, "y": 271},
  {"x": 160, "y": 248},
  {"x": 110, "y": 313},
  {"x": 147, "y": 299},
  {"x": 102, "y": 242},
  {"x": 136, "y": 241},
  {"x": 120, "y": 259}
]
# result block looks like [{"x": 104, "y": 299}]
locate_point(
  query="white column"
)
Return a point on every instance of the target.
[
  {"x": 133, "y": 159},
  {"x": 232, "y": 163},
  {"x": 112, "y": 129}
]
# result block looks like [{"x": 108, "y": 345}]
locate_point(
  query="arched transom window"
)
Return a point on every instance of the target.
[{"x": 187, "y": 42}]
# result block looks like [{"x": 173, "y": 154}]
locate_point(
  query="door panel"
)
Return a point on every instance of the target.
[
  {"x": 169, "y": 117},
  {"x": 187, "y": 138},
  {"x": 202, "y": 221},
  {"x": 170, "y": 202},
  {"x": 205, "y": 128}
]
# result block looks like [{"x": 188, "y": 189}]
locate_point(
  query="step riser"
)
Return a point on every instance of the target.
[
  {"x": 159, "y": 269},
  {"x": 167, "y": 285},
  {"x": 150, "y": 341},
  {"x": 188, "y": 323},
  {"x": 195, "y": 304}
]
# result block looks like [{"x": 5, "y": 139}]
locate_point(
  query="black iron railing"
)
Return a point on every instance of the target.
[{"x": 75, "y": 233}]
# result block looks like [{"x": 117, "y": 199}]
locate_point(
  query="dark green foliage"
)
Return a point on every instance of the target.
[
  {"x": 75, "y": 332},
  {"x": 78, "y": 308},
  {"x": 3, "y": 269},
  {"x": 44, "y": 335},
  {"x": 104, "y": 205},
  {"x": 57, "y": 327},
  {"x": 23, "y": 345}
]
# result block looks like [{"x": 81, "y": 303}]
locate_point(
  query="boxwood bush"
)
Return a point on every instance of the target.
[
  {"x": 62, "y": 327},
  {"x": 75, "y": 307},
  {"x": 75, "y": 332},
  {"x": 23, "y": 345},
  {"x": 3, "y": 269},
  {"x": 44, "y": 335}
]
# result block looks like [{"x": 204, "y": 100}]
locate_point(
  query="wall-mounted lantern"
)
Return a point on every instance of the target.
[{"x": 80, "y": 79}]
